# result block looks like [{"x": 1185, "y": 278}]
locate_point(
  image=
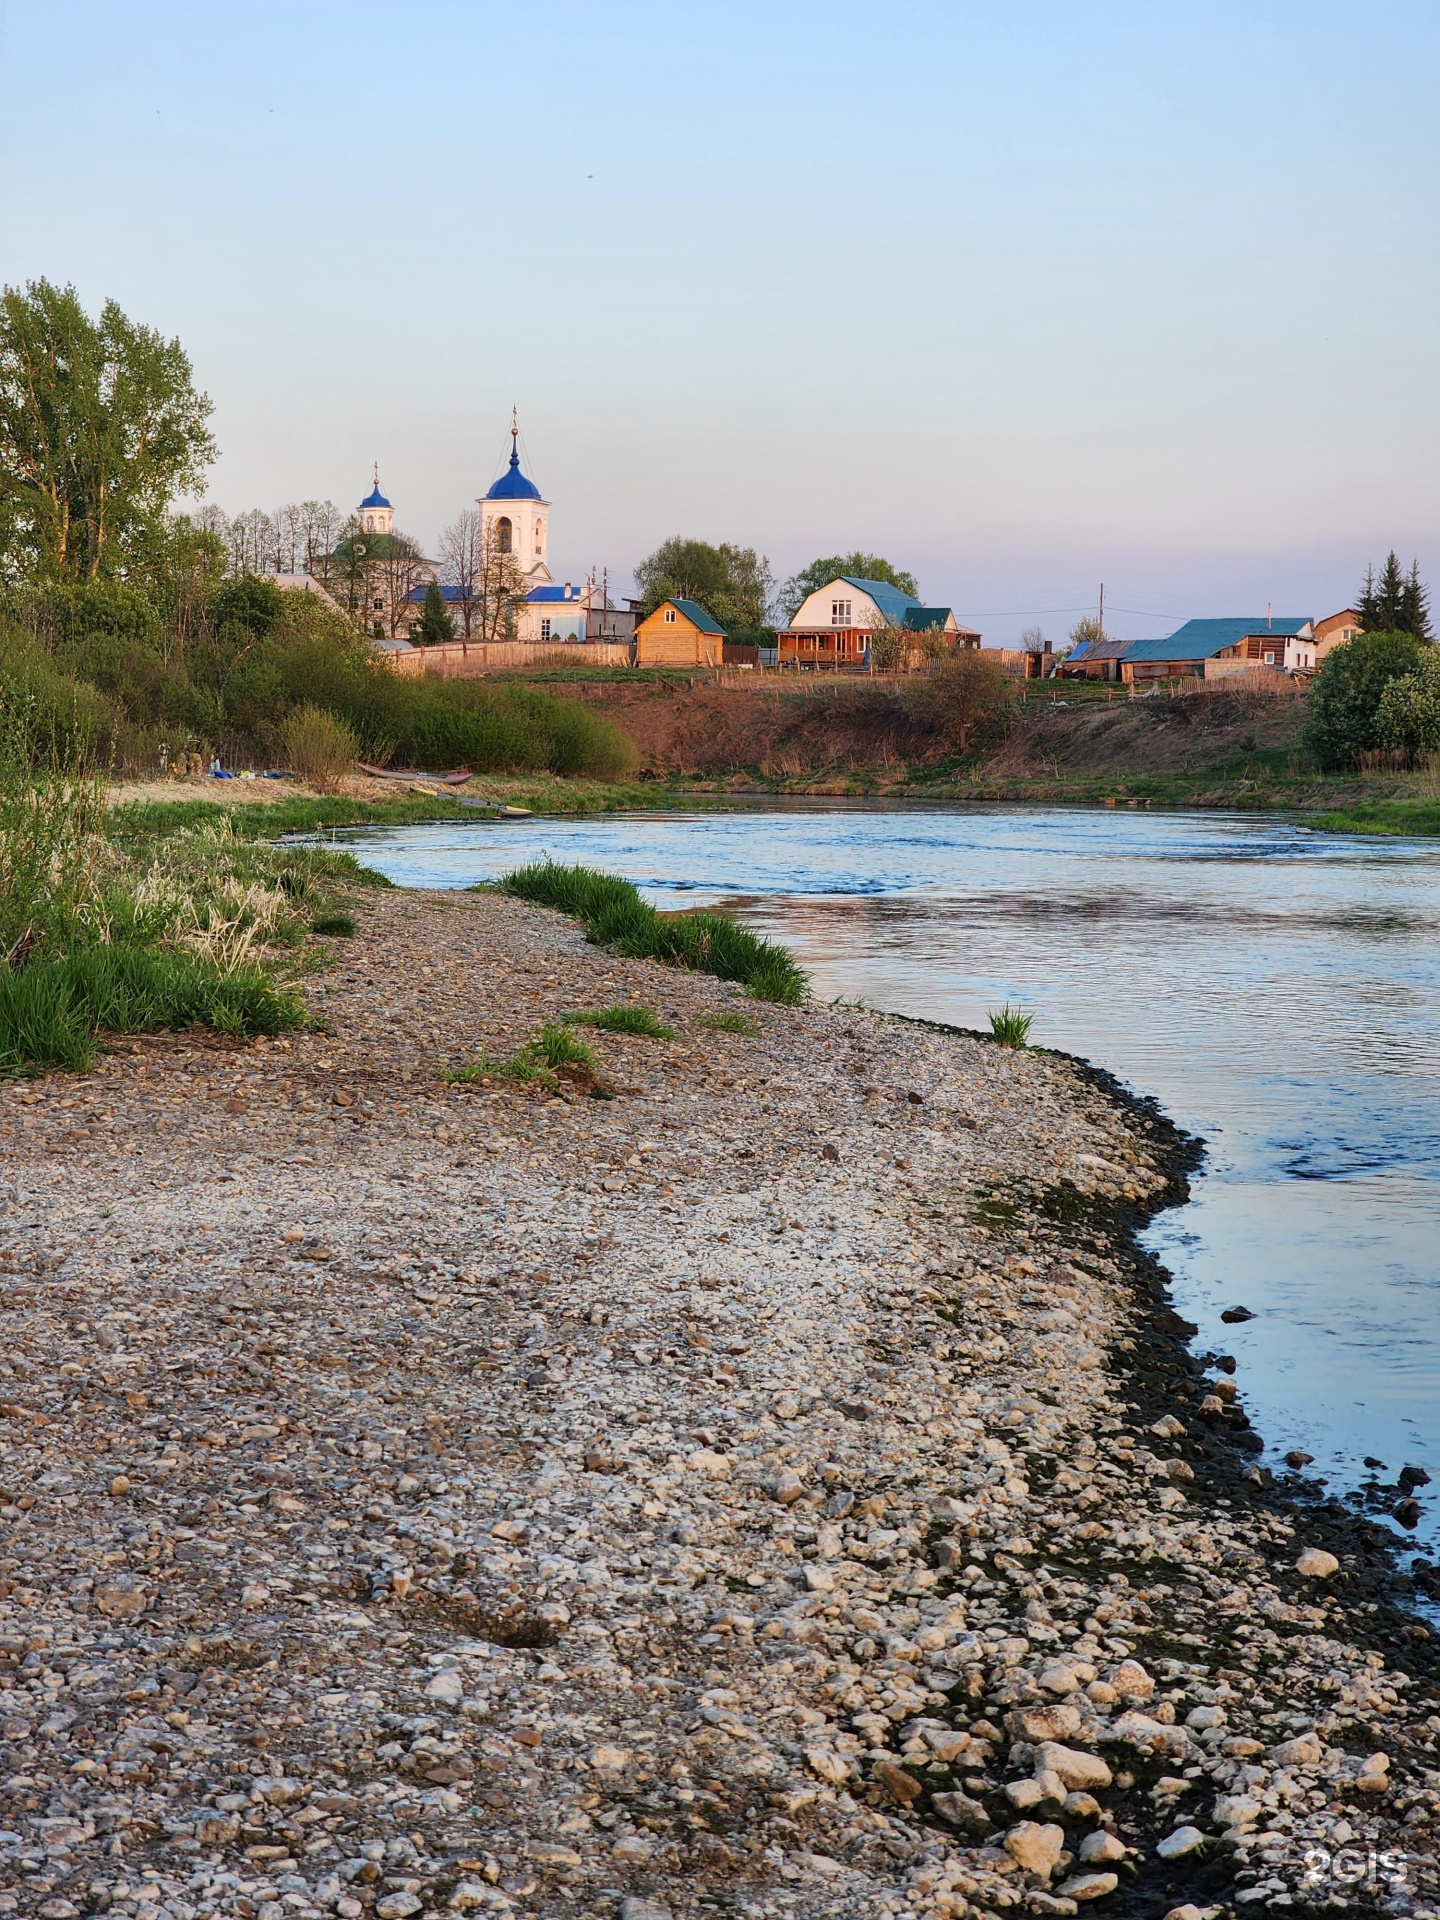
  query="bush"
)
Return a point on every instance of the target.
[
  {"x": 615, "y": 916},
  {"x": 319, "y": 749},
  {"x": 1342, "y": 708},
  {"x": 1407, "y": 719},
  {"x": 964, "y": 703}
]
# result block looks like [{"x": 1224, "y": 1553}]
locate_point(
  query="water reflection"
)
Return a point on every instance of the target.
[{"x": 1277, "y": 988}]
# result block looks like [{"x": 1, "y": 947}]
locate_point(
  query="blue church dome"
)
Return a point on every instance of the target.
[
  {"x": 512, "y": 484},
  {"x": 376, "y": 499}
]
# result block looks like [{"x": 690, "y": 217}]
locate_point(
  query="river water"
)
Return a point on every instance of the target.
[{"x": 1277, "y": 988}]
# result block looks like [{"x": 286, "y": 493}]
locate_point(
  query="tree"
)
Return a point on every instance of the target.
[
  {"x": 462, "y": 556},
  {"x": 1087, "y": 631},
  {"x": 400, "y": 567},
  {"x": 733, "y": 584},
  {"x": 1342, "y": 707},
  {"x": 1397, "y": 602},
  {"x": 854, "y": 566},
  {"x": 436, "y": 626},
  {"x": 1407, "y": 718},
  {"x": 101, "y": 427},
  {"x": 500, "y": 587}
]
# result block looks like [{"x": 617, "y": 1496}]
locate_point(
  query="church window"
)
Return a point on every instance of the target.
[
  {"x": 669, "y": 616},
  {"x": 840, "y": 613},
  {"x": 379, "y": 603},
  {"x": 544, "y": 629},
  {"x": 504, "y": 536}
]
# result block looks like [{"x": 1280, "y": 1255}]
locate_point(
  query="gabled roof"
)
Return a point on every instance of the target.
[
  {"x": 925, "y": 619},
  {"x": 695, "y": 614},
  {"x": 552, "y": 594},
  {"x": 1203, "y": 639},
  {"x": 890, "y": 600}
]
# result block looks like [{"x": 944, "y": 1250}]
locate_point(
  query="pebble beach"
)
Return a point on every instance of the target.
[{"x": 779, "y": 1487}]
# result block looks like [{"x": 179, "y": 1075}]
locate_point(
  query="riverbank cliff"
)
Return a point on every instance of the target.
[{"x": 780, "y": 1488}]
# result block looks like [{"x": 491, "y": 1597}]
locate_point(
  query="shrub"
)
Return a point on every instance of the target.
[
  {"x": 1407, "y": 718},
  {"x": 615, "y": 916},
  {"x": 1342, "y": 707},
  {"x": 318, "y": 747},
  {"x": 964, "y": 703}
]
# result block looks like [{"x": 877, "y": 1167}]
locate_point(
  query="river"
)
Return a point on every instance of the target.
[{"x": 1277, "y": 988}]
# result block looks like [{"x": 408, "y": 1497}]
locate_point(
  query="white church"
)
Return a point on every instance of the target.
[{"x": 514, "y": 519}]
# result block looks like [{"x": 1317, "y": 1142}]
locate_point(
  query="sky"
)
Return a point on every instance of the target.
[{"x": 1025, "y": 297}]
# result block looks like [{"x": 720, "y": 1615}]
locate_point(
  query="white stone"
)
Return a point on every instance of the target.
[
  {"x": 1316, "y": 1564},
  {"x": 1088, "y": 1886},
  {"x": 1084, "y": 1771},
  {"x": 1183, "y": 1840},
  {"x": 1035, "y": 1848}
]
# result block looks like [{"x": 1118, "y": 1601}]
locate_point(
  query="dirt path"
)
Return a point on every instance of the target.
[{"x": 740, "y": 1495}]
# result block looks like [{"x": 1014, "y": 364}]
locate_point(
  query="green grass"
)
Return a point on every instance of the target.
[
  {"x": 553, "y": 1054},
  {"x": 640, "y": 1020},
  {"x": 269, "y": 820},
  {"x": 1382, "y": 817},
  {"x": 1011, "y": 1027},
  {"x": 334, "y": 924},
  {"x": 51, "y": 1015},
  {"x": 730, "y": 1023},
  {"x": 615, "y": 916}
]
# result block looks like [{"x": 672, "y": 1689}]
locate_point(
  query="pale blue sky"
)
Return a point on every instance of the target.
[{"x": 1024, "y": 295}]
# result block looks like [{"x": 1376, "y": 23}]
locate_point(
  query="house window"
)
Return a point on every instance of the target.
[
  {"x": 544, "y": 629},
  {"x": 669, "y": 616},
  {"x": 840, "y": 613},
  {"x": 379, "y": 603},
  {"x": 504, "y": 536}
]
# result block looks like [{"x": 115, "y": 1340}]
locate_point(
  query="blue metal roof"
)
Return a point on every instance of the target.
[
  {"x": 376, "y": 499},
  {"x": 1203, "y": 639},
  {"x": 416, "y": 595},
  {"x": 559, "y": 595},
  {"x": 512, "y": 484},
  {"x": 924, "y": 619}
]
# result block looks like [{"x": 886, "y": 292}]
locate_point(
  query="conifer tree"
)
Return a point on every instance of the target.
[
  {"x": 436, "y": 626},
  {"x": 1397, "y": 602}
]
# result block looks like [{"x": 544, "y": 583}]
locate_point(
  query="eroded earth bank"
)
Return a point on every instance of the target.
[{"x": 771, "y": 1490}]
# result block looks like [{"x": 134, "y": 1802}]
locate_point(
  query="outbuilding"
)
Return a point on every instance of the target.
[{"x": 679, "y": 633}]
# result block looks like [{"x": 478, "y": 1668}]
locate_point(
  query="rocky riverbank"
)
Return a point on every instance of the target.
[{"x": 778, "y": 1489}]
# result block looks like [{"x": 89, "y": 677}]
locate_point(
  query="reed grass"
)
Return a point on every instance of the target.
[{"x": 615, "y": 916}]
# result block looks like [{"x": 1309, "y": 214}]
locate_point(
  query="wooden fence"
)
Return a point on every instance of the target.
[{"x": 464, "y": 660}]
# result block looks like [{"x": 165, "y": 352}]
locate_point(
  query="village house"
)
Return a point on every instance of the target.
[
  {"x": 835, "y": 626},
  {"x": 679, "y": 634},
  {"x": 1211, "y": 649},
  {"x": 1335, "y": 630}
]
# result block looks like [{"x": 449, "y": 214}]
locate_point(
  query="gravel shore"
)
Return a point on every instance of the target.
[{"x": 778, "y": 1489}]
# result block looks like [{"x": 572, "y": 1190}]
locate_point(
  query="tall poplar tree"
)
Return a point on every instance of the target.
[{"x": 101, "y": 427}]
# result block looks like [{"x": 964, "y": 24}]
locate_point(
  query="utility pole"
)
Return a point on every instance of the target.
[{"x": 1102, "y": 609}]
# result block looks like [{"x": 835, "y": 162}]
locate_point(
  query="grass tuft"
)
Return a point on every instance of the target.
[
  {"x": 552, "y": 1056},
  {"x": 730, "y": 1023},
  {"x": 1011, "y": 1027},
  {"x": 335, "y": 924},
  {"x": 615, "y": 916},
  {"x": 640, "y": 1020},
  {"x": 51, "y": 1014}
]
